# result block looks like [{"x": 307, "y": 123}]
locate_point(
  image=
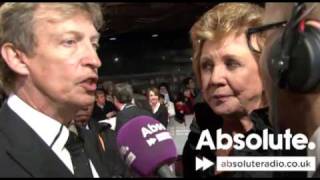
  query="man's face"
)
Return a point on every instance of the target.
[
  {"x": 64, "y": 66},
  {"x": 100, "y": 98},
  {"x": 83, "y": 116}
]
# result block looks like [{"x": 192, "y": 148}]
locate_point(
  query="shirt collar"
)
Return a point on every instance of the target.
[
  {"x": 156, "y": 107},
  {"x": 46, "y": 127},
  {"x": 122, "y": 107}
]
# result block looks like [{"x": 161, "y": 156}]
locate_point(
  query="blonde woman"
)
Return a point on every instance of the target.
[{"x": 228, "y": 74}]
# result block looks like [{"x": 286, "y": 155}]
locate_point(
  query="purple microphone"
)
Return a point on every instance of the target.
[{"x": 147, "y": 146}]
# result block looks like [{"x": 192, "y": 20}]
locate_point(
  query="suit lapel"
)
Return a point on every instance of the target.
[
  {"x": 45, "y": 165},
  {"x": 27, "y": 148},
  {"x": 91, "y": 147}
]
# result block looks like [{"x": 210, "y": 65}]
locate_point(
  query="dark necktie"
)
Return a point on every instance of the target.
[{"x": 79, "y": 158}]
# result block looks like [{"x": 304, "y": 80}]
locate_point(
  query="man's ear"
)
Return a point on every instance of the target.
[{"x": 15, "y": 59}]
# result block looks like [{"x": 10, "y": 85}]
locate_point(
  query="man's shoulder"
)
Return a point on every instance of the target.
[
  {"x": 133, "y": 111},
  {"x": 129, "y": 113},
  {"x": 9, "y": 120}
]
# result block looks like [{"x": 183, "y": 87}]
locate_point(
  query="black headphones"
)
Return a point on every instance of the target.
[{"x": 295, "y": 57}]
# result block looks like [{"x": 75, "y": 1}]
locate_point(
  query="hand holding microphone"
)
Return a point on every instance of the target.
[{"x": 147, "y": 146}]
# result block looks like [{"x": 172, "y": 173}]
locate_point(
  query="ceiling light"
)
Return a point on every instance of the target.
[
  {"x": 155, "y": 35},
  {"x": 112, "y": 39}
]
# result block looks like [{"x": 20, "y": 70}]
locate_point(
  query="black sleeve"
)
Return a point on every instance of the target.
[
  {"x": 204, "y": 119},
  {"x": 190, "y": 153},
  {"x": 162, "y": 115},
  {"x": 109, "y": 107}
]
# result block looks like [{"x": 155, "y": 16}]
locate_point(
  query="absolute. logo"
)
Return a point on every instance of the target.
[
  {"x": 154, "y": 133},
  {"x": 254, "y": 141},
  {"x": 203, "y": 163}
]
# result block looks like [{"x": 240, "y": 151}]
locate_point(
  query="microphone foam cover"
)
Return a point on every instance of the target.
[{"x": 145, "y": 145}]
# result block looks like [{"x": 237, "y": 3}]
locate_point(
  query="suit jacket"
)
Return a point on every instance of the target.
[
  {"x": 24, "y": 154},
  {"x": 100, "y": 114},
  {"x": 110, "y": 155},
  {"x": 129, "y": 112},
  {"x": 162, "y": 115}
]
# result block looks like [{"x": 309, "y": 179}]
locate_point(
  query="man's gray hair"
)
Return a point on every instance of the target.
[{"x": 123, "y": 92}]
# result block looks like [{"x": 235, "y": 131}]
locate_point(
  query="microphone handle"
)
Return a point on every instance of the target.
[{"x": 164, "y": 171}]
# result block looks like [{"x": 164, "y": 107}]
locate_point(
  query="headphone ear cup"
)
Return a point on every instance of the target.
[
  {"x": 304, "y": 66},
  {"x": 273, "y": 59},
  {"x": 303, "y": 73}
]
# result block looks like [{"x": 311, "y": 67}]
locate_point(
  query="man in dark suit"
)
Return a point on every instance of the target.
[
  {"x": 105, "y": 137},
  {"x": 49, "y": 66},
  {"x": 123, "y": 100},
  {"x": 103, "y": 108}
]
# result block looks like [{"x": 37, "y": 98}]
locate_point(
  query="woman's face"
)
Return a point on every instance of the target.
[
  {"x": 230, "y": 80},
  {"x": 153, "y": 99}
]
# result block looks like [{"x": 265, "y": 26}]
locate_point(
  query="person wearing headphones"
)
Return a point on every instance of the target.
[{"x": 290, "y": 64}]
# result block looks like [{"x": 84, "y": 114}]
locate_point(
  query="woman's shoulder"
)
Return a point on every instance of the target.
[
  {"x": 260, "y": 119},
  {"x": 162, "y": 107}
]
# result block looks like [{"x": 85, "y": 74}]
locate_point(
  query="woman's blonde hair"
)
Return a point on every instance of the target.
[{"x": 219, "y": 22}]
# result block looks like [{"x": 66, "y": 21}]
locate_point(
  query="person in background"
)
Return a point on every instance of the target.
[
  {"x": 103, "y": 109},
  {"x": 107, "y": 87},
  {"x": 122, "y": 97},
  {"x": 106, "y": 139},
  {"x": 231, "y": 86},
  {"x": 188, "y": 83},
  {"x": 83, "y": 116},
  {"x": 165, "y": 92},
  {"x": 159, "y": 111},
  {"x": 183, "y": 105},
  {"x": 140, "y": 100},
  {"x": 83, "y": 121},
  {"x": 170, "y": 108},
  {"x": 164, "y": 89},
  {"x": 296, "y": 111},
  {"x": 188, "y": 100},
  {"x": 49, "y": 67}
]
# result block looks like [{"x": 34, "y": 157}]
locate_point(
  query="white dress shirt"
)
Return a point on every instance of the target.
[{"x": 47, "y": 128}]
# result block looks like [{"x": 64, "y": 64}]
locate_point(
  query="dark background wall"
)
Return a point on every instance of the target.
[{"x": 140, "y": 53}]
